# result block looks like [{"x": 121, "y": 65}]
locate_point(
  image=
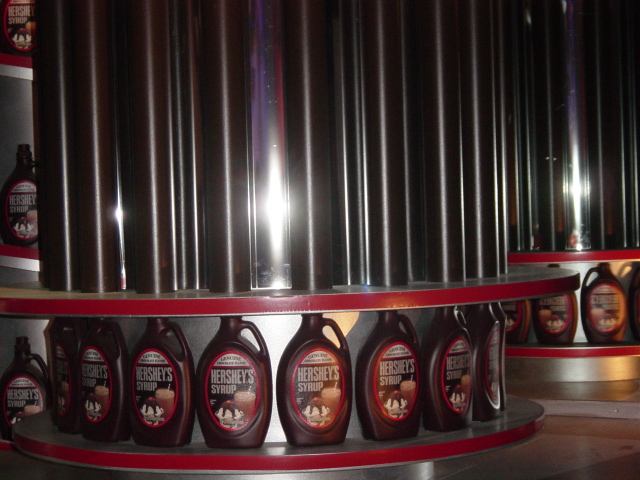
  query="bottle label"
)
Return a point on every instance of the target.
[
  {"x": 395, "y": 381},
  {"x": 21, "y": 210},
  {"x": 513, "y": 311},
  {"x": 155, "y": 388},
  {"x": 63, "y": 381},
  {"x": 20, "y": 24},
  {"x": 555, "y": 314},
  {"x": 22, "y": 398},
  {"x": 492, "y": 366},
  {"x": 96, "y": 384},
  {"x": 317, "y": 388},
  {"x": 456, "y": 375},
  {"x": 606, "y": 308},
  {"x": 232, "y": 390}
]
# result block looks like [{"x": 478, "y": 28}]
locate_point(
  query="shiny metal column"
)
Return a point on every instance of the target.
[
  {"x": 308, "y": 142},
  {"x": 94, "y": 136},
  {"x": 224, "y": 100},
  {"x": 149, "y": 57},
  {"x": 268, "y": 181},
  {"x": 440, "y": 79},
  {"x": 56, "y": 152}
]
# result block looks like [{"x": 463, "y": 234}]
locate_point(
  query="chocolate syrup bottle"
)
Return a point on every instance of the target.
[
  {"x": 555, "y": 319},
  {"x": 313, "y": 386},
  {"x": 446, "y": 372},
  {"x": 485, "y": 333},
  {"x": 498, "y": 312},
  {"x": 66, "y": 335},
  {"x": 234, "y": 393},
  {"x": 162, "y": 381},
  {"x": 18, "y": 35},
  {"x": 634, "y": 305},
  {"x": 388, "y": 378},
  {"x": 518, "y": 320},
  {"x": 603, "y": 306},
  {"x": 24, "y": 387},
  {"x": 19, "y": 199},
  {"x": 104, "y": 413}
]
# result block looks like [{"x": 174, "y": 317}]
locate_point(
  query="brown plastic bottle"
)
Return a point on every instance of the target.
[
  {"x": 19, "y": 202},
  {"x": 234, "y": 392},
  {"x": 485, "y": 332},
  {"x": 555, "y": 319},
  {"x": 498, "y": 312},
  {"x": 18, "y": 35},
  {"x": 446, "y": 372},
  {"x": 162, "y": 381},
  {"x": 518, "y": 320},
  {"x": 603, "y": 306},
  {"x": 634, "y": 305},
  {"x": 66, "y": 335},
  {"x": 388, "y": 378},
  {"x": 104, "y": 413},
  {"x": 313, "y": 385},
  {"x": 24, "y": 387}
]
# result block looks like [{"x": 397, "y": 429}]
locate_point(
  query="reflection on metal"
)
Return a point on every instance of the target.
[
  {"x": 269, "y": 193},
  {"x": 576, "y": 176},
  {"x": 589, "y": 369}
]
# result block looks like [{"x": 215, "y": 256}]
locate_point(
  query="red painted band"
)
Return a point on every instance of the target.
[{"x": 235, "y": 461}]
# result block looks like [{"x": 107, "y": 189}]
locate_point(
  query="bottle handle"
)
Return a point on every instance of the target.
[
  {"x": 587, "y": 275},
  {"x": 264, "y": 352},
  {"x": 408, "y": 326},
  {"x": 336, "y": 329},
  {"x": 182, "y": 340},
  {"x": 43, "y": 366}
]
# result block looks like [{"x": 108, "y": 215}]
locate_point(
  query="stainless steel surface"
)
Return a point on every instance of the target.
[
  {"x": 591, "y": 369},
  {"x": 12, "y": 71},
  {"x": 269, "y": 195}
]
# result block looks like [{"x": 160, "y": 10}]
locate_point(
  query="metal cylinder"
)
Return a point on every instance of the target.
[
  {"x": 308, "y": 142},
  {"x": 58, "y": 215},
  {"x": 384, "y": 149},
  {"x": 441, "y": 137},
  {"x": 94, "y": 138},
  {"x": 149, "y": 57},
  {"x": 478, "y": 149},
  {"x": 224, "y": 110}
]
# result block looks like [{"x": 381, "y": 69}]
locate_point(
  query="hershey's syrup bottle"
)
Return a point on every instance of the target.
[
  {"x": 388, "y": 378},
  {"x": 18, "y": 35},
  {"x": 313, "y": 385},
  {"x": 603, "y": 306},
  {"x": 498, "y": 312},
  {"x": 234, "y": 392},
  {"x": 518, "y": 320},
  {"x": 555, "y": 319},
  {"x": 24, "y": 387},
  {"x": 446, "y": 372},
  {"x": 66, "y": 335},
  {"x": 162, "y": 381},
  {"x": 485, "y": 332},
  {"x": 19, "y": 198},
  {"x": 104, "y": 412},
  {"x": 634, "y": 305}
]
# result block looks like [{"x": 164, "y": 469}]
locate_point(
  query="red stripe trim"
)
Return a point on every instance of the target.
[
  {"x": 273, "y": 462},
  {"x": 572, "y": 351},
  {"x": 19, "y": 252},
  {"x": 16, "y": 60},
  {"x": 340, "y": 299},
  {"x": 6, "y": 445},
  {"x": 564, "y": 257}
]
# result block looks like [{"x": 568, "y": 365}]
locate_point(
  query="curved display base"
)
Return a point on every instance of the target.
[
  {"x": 579, "y": 362},
  {"x": 38, "y": 437},
  {"x": 521, "y": 282},
  {"x": 6, "y": 445}
]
